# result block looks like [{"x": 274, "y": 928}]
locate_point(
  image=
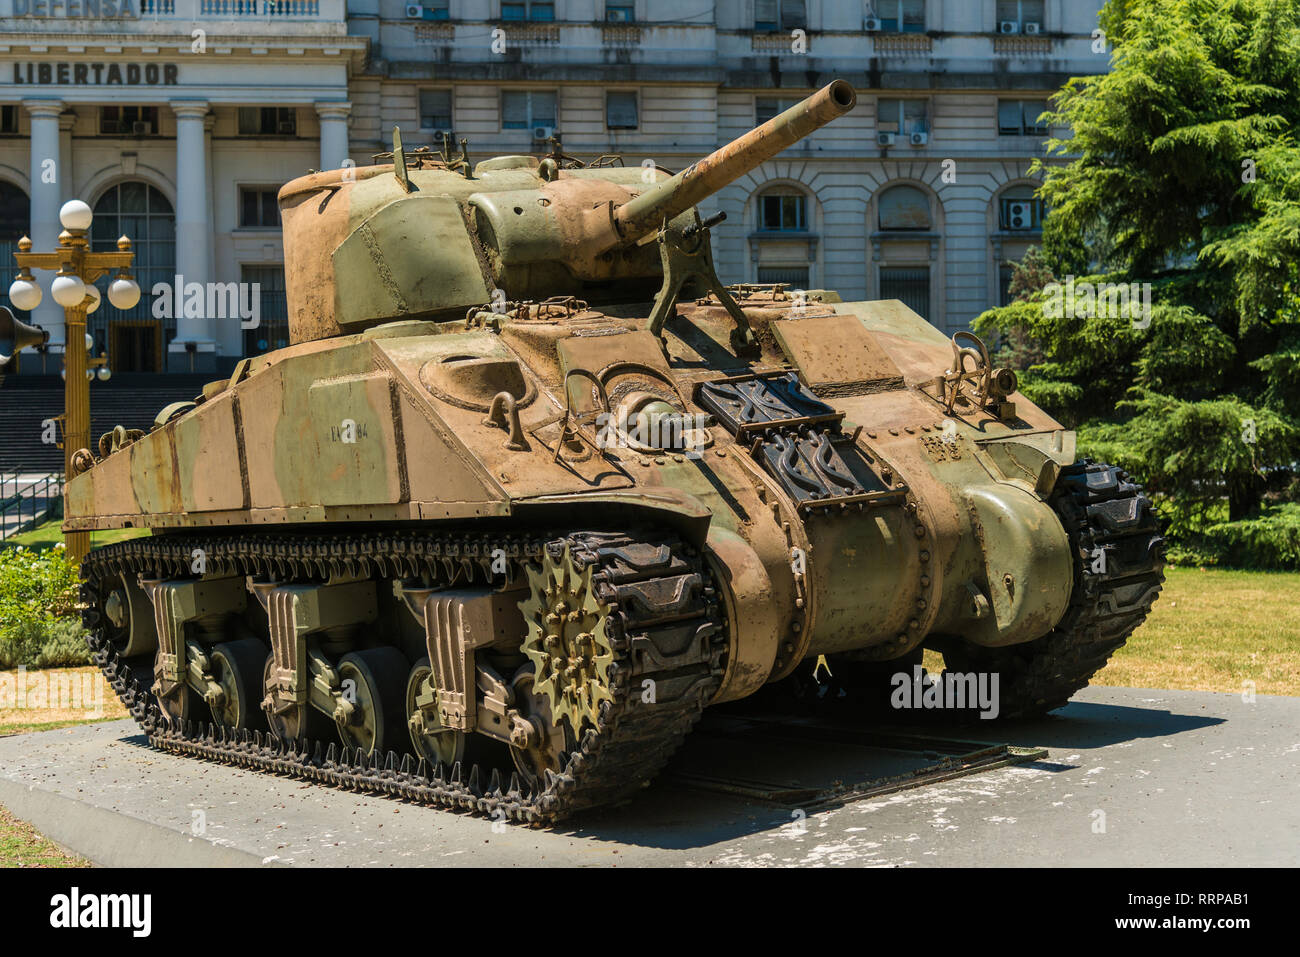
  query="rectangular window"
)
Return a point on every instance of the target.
[
  {"x": 8, "y": 119},
  {"x": 521, "y": 110},
  {"x": 258, "y": 208},
  {"x": 793, "y": 277},
  {"x": 437, "y": 9},
  {"x": 903, "y": 117},
  {"x": 773, "y": 15},
  {"x": 272, "y": 330},
  {"x": 620, "y": 110},
  {"x": 620, "y": 13},
  {"x": 435, "y": 110},
  {"x": 268, "y": 121},
  {"x": 783, "y": 212},
  {"x": 911, "y": 286},
  {"x": 128, "y": 120},
  {"x": 1005, "y": 272},
  {"x": 1020, "y": 117},
  {"x": 901, "y": 16},
  {"x": 538, "y": 12},
  {"x": 766, "y": 107},
  {"x": 1020, "y": 12}
]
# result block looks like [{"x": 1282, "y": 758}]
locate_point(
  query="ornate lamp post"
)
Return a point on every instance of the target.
[{"x": 77, "y": 268}]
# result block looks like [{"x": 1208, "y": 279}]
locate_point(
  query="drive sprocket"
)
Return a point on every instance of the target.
[{"x": 567, "y": 639}]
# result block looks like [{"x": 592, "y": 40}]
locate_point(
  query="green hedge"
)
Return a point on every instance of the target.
[{"x": 40, "y": 626}]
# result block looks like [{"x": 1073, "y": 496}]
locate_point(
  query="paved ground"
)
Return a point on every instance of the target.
[{"x": 1132, "y": 777}]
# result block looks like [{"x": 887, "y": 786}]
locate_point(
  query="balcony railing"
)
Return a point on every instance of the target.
[
  {"x": 621, "y": 36},
  {"x": 779, "y": 42},
  {"x": 1021, "y": 45},
  {"x": 264, "y": 10},
  {"x": 530, "y": 34},
  {"x": 906, "y": 44},
  {"x": 435, "y": 32}
]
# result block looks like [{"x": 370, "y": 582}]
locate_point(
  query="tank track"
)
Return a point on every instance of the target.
[
  {"x": 659, "y": 589},
  {"x": 1103, "y": 514}
]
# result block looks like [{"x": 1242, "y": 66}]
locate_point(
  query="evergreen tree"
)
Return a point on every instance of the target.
[{"x": 1182, "y": 171}]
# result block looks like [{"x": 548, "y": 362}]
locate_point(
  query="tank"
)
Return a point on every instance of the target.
[{"x": 531, "y": 489}]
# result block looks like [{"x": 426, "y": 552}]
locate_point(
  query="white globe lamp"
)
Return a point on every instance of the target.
[
  {"x": 25, "y": 294},
  {"x": 124, "y": 293},
  {"x": 75, "y": 214},
  {"x": 68, "y": 291}
]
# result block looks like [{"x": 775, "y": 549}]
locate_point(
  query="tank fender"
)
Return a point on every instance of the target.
[
  {"x": 673, "y": 507},
  {"x": 754, "y": 620},
  {"x": 1026, "y": 557},
  {"x": 1036, "y": 458}
]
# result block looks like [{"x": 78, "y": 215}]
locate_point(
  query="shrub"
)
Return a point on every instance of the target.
[{"x": 39, "y": 622}]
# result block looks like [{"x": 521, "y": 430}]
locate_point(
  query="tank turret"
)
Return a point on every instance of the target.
[{"x": 437, "y": 237}]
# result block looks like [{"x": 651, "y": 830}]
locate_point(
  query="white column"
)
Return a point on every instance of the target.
[
  {"x": 47, "y": 176},
  {"x": 333, "y": 133},
  {"x": 68, "y": 174},
  {"x": 193, "y": 229}
]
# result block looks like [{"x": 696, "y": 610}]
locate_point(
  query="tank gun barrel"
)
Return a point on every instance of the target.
[{"x": 673, "y": 196}]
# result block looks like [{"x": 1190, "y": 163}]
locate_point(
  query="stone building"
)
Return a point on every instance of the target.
[{"x": 177, "y": 120}]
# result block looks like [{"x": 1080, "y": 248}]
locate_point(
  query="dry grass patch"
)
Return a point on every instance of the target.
[
  {"x": 49, "y": 701},
  {"x": 1213, "y": 630}
]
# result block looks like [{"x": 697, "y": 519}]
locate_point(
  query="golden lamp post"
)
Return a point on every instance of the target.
[{"x": 77, "y": 269}]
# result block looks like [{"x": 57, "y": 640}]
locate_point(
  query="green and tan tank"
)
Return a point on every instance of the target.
[{"x": 531, "y": 489}]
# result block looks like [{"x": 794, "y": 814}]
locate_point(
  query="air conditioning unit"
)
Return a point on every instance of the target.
[
  {"x": 141, "y": 128},
  {"x": 414, "y": 11},
  {"x": 1033, "y": 28},
  {"x": 1009, "y": 26},
  {"x": 871, "y": 25},
  {"x": 1020, "y": 215},
  {"x": 885, "y": 139},
  {"x": 543, "y": 133},
  {"x": 286, "y": 127},
  {"x": 920, "y": 138}
]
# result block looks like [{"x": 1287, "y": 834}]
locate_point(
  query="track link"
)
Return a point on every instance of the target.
[
  {"x": 1118, "y": 572},
  {"x": 665, "y": 625}
]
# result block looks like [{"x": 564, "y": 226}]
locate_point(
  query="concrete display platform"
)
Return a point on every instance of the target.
[{"x": 1132, "y": 778}]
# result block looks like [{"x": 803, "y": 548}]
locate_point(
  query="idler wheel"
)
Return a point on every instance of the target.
[
  {"x": 378, "y": 719},
  {"x": 237, "y": 666},
  {"x": 429, "y": 738}
]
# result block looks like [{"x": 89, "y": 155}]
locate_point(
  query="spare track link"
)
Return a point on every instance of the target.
[
  {"x": 1104, "y": 514},
  {"x": 658, "y": 588}
]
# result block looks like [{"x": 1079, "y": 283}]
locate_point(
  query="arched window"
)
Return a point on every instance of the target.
[
  {"x": 15, "y": 217},
  {"x": 1019, "y": 210},
  {"x": 783, "y": 246},
  {"x": 783, "y": 211},
  {"x": 904, "y": 207},
  {"x": 136, "y": 340}
]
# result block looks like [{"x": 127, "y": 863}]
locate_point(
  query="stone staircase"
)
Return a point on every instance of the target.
[{"x": 26, "y": 401}]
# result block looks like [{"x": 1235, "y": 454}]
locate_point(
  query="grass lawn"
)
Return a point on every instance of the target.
[
  {"x": 21, "y": 846},
  {"x": 49, "y": 534},
  {"x": 1211, "y": 630}
]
